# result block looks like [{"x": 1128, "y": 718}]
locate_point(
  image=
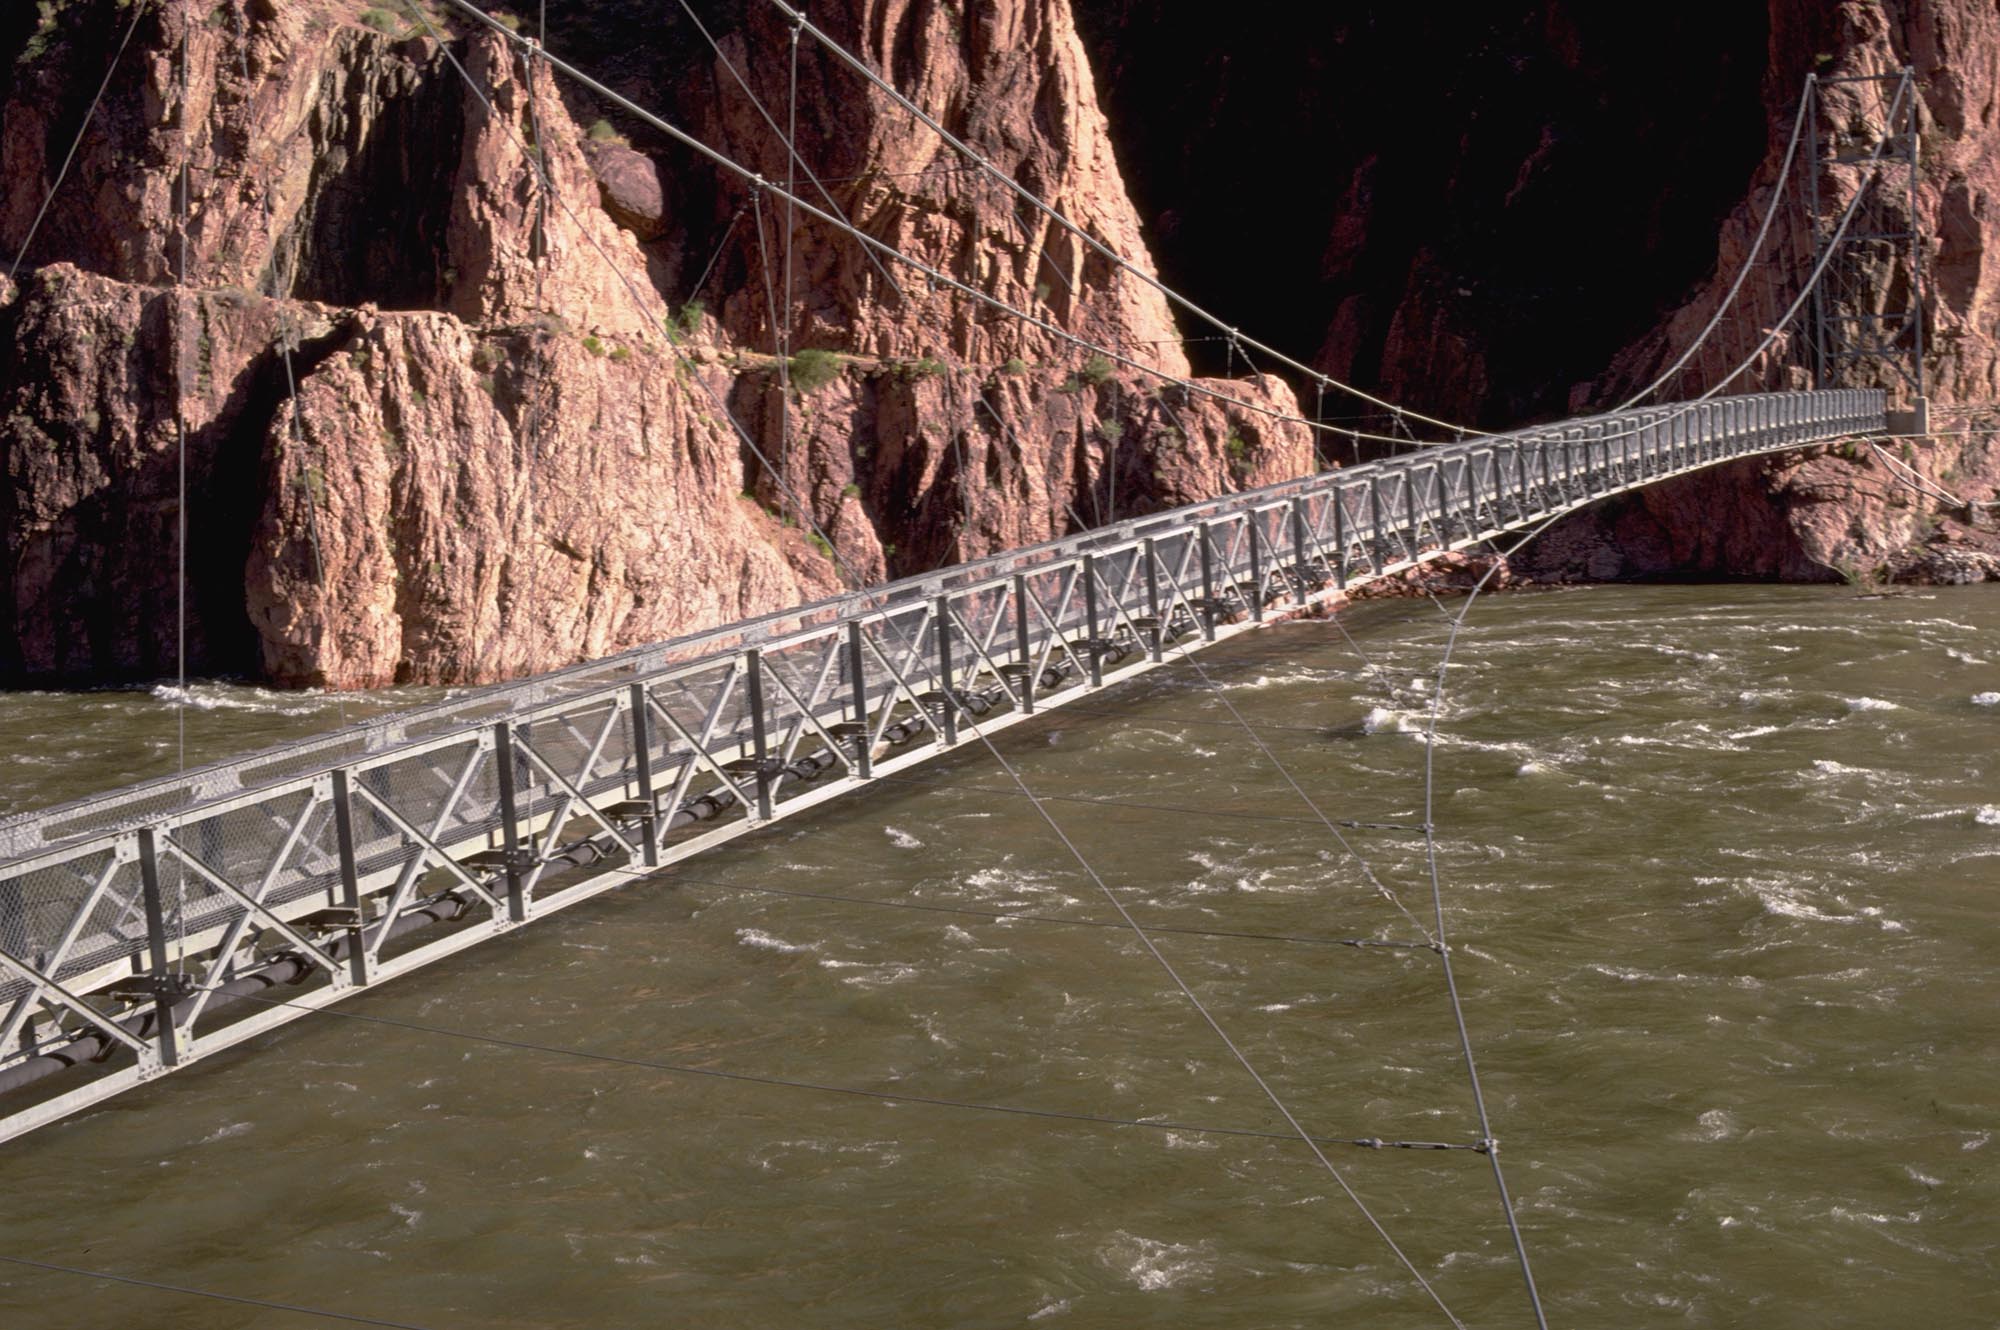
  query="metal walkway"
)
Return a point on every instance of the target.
[{"x": 134, "y": 925}]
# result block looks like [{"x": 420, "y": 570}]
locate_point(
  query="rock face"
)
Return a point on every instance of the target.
[
  {"x": 469, "y": 392},
  {"x": 496, "y": 446},
  {"x": 1555, "y": 213},
  {"x": 1854, "y": 511}
]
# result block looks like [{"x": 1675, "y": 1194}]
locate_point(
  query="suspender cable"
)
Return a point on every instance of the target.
[
  {"x": 1743, "y": 272},
  {"x": 757, "y": 103},
  {"x": 181, "y": 210}
]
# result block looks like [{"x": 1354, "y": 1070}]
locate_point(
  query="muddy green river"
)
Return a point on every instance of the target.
[{"x": 1721, "y": 870}]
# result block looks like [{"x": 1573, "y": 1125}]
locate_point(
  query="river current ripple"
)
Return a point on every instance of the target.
[{"x": 1719, "y": 869}]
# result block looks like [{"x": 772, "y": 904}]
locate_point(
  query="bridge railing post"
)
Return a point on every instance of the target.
[
  {"x": 1205, "y": 547},
  {"x": 504, "y": 770},
  {"x": 167, "y": 1035},
  {"x": 1155, "y": 646},
  {"x": 1298, "y": 516},
  {"x": 753, "y": 686},
  {"x": 1252, "y": 525},
  {"x": 1024, "y": 650},
  {"x": 359, "y": 966},
  {"x": 1379, "y": 543},
  {"x": 1412, "y": 528},
  {"x": 857, "y": 699},
  {"x": 947, "y": 698},
  {"x": 642, "y": 773},
  {"x": 1095, "y": 657},
  {"x": 1339, "y": 498}
]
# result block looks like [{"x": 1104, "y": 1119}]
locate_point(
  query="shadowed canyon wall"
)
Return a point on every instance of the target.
[{"x": 524, "y": 422}]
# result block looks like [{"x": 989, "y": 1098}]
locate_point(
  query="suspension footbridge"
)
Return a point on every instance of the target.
[{"x": 150, "y": 928}]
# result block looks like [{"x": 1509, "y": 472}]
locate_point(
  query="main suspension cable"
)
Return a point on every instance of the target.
[
  {"x": 1743, "y": 272},
  {"x": 1110, "y": 255}
]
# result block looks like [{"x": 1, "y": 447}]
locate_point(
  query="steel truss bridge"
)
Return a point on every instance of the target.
[{"x": 137, "y": 929}]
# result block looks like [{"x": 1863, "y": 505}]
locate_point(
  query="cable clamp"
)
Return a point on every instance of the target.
[
  {"x": 170, "y": 987},
  {"x": 1487, "y": 1145}
]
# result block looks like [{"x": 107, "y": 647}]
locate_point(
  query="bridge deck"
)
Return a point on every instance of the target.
[{"x": 341, "y": 862}]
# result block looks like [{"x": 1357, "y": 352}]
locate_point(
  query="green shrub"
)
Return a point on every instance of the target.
[
  {"x": 1235, "y": 446},
  {"x": 381, "y": 20},
  {"x": 602, "y": 131},
  {"x": 685, "y": 322},
  {"x": 812, "y": 369},
  {"x": 621, "y": 354},
  {"x": 593, "y": 345},
  {"x": 820, "y": 543},
  {"x": 1014, "y": 365},
  {"x": 850, "y": 491},
  {"x": 1096, "y": 370}
]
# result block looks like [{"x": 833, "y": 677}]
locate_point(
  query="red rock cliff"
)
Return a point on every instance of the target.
[
  {"x": 503, "y": 438},
  {"x": 502, "y": 441}
]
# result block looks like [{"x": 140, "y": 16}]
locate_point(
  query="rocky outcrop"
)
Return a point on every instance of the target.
[
  {"x": 1847, "y": 511},
  {"x": 507, "y": 438}
]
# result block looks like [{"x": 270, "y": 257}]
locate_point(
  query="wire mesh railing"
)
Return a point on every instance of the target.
[{"x": 129, "y": 922}]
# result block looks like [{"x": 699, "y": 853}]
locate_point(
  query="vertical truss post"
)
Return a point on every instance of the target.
[
  {"x": 1207, "y": 548},
  {"x": 510, "y": 821},
  {"x": 1155, "y": 647},
  {"x": 1090, "y": 639},
  {"x": 1024, "y": 651},
  {"x": 1340, "y": 538},
  {"x": 947, "y": 686},
  {"x": 166, "y": 1036},
  {"x": 857, "y": 689},
  {"x": 1250, "y": 532},
  {"x": 1410, "y": 512},
  {"x": 1298, "y": 514},
  {"x": 1380, "y": 542},
  {"x": 350, "y": 875},
  {"x": 753, "y": 678},
  {"x": 642, "y": 762}
]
